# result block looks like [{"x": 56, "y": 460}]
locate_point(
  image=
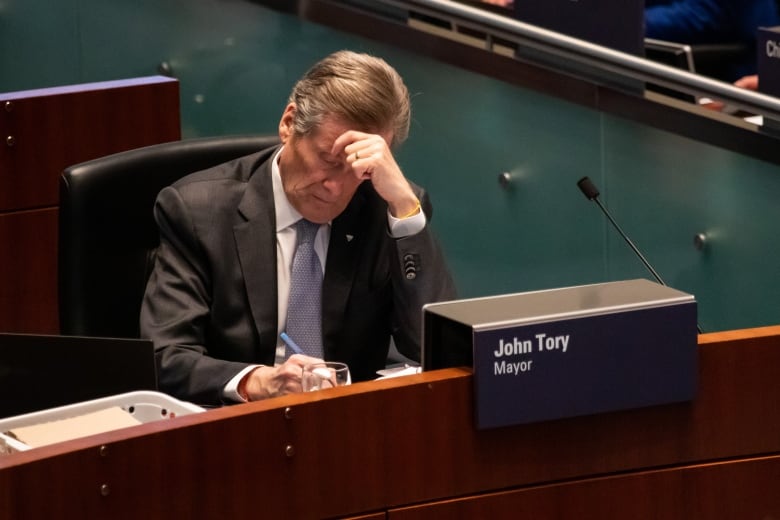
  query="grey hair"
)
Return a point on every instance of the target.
[{"x": 362, "y": 89}]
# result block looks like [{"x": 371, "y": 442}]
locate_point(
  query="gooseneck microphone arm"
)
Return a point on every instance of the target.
[{"x": 592, "y": 193}]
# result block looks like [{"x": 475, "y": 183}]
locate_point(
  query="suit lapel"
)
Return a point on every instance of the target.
[
  {"x": 346, "y": 242},
  {"x": 256, "y": 245}
]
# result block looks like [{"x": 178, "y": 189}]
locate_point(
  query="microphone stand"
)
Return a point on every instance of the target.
[{"x": 592, "y": 193}]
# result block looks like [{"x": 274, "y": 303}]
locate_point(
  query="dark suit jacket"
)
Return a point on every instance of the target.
[{"x": 210, "y": 304}]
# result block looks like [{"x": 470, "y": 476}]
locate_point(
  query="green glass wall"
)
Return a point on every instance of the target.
[{"x": 237, "y": 60}]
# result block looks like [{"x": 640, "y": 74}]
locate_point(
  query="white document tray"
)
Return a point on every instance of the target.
[{"x": 144, "y": 406}]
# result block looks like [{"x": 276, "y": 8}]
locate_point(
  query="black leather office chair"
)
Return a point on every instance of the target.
[{"x": 107, "y": 233}]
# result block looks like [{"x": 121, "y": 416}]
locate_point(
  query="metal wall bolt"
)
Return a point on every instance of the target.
[
  {"x": 505, "y": 180},
  {"x": 9, "y": 106},
  {"x": 10, "y": 141},
  {"x": 104, "y": 451},
  {"x": 165, "y": 69},
  {"x": 105, "y": 490},
  {"x": 700, "y": 241},
  {"x": 289, "y": 450},
  {"x": 288, "y": 413}
]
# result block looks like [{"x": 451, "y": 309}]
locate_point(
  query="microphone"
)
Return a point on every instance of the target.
[{"x": 591, "y": 192}]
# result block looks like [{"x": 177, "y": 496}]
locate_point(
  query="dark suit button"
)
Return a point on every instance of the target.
[{"x": 410, "y": 266}]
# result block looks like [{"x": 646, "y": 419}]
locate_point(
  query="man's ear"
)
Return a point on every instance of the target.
[{"x": 286, "y": 125}]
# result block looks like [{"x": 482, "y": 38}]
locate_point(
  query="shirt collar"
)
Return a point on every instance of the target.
[{"x": 286, "y": 214}]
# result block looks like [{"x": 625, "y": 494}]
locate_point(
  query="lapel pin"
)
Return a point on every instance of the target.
[{"x": 350, "y": 237}]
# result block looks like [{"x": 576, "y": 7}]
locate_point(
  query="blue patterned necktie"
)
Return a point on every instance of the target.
[{"x": 304, "y": 309}]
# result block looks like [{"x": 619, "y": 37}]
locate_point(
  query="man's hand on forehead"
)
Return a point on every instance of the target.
[
  {"x": 354, "y": 141},
  {"x": 370, "y": 157}
]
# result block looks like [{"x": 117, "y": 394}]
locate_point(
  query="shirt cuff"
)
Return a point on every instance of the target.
[
  {"x": 230, "y": 391},
  {"x": 404, "y": 227}
]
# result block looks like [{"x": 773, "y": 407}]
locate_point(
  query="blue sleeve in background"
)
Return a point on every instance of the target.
[{"x": 710, "y": 21}]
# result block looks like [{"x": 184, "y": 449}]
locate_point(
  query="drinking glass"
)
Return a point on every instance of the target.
[{"x": 324, "y": 374}]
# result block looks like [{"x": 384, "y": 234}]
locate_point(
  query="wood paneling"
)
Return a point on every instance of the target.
[
  {"x": 741, "y": 489},
  {"x": 45, "y": 131},
  {"x": 28, "y": 277}
]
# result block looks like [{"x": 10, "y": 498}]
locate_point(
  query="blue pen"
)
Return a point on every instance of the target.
[{"x": 290, "y": 343}]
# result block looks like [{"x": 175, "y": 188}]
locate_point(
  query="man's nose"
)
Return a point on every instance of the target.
[{"x": 334, "y": 185}]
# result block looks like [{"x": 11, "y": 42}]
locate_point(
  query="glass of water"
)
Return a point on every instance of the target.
[{"x": 324, "y": 374}]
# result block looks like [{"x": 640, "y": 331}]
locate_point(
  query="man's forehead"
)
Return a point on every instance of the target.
[{"x": 333, "y": 126}]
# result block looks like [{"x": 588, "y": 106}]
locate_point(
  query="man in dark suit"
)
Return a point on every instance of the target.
[{"x": 217, "y": 298}]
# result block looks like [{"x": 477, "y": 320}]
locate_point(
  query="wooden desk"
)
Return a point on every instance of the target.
[{"x": 407, "y": 448}]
